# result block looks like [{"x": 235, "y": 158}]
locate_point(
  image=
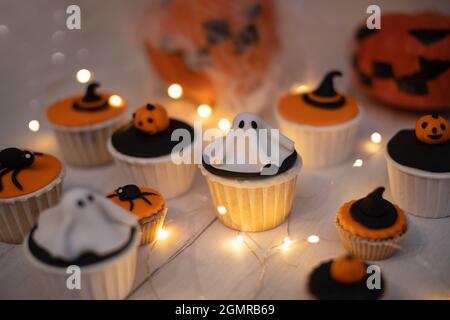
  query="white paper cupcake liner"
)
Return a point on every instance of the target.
[
  {"x": 86, "y": 146},
  {"x": 322, "y": 146},
  {"x": 368, "y": 249},
  {"x": 18, "y": 215},
  {"x": 159, "y": 173},
  {"x": 112, "y": 279},
  {"x": 253, "y": 205},
  {"x": 150, "y": 227},
  {"x": 421, "y": 193}
]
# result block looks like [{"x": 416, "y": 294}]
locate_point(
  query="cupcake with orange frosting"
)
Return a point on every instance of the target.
[
  {"x": 83, "y": 124},
  {"x": 343, "y": 278},
  {"x": 323, "y": 123},
  {"x": 144, "y": 151},
  {"x": 29, "y": 183},
  {"x": 146, "y": 204},
  {"x": 372, "y": 227}
]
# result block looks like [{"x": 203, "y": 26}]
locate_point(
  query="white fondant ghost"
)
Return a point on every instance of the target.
[
  {"x": 83, "y": 222},
  {"x": 216, "y": 152}
]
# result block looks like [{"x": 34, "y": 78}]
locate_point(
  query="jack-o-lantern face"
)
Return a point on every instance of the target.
[
  {"x": 406, "y": 63},
  {"x": 151, "y": 119},
  {"x": 432, "y": 129}
]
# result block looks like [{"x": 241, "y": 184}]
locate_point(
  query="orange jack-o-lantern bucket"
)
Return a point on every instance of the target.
[
  {"x": 406, "y": 63},
  {"x": 209, "y": 47}
]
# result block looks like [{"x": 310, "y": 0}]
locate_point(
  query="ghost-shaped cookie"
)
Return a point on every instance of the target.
[
  {"x": 251, "y": 147},
  {"x": 83, "y": 222}
]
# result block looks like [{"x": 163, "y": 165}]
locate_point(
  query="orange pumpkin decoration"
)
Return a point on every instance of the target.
[
  {"x": 348, "y": 269},
  {"x": 432, "y": 129},
  {"x": 209, "y": 47},
  {"x": 151, "y": 119},
  {"x": 406, "y": 63}
]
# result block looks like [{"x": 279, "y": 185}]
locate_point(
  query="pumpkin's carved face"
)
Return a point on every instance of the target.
[
  {"x": 432, "y": 129},
  {"x": 407, "y": 62},
  {"x": 151, "y": 119}
]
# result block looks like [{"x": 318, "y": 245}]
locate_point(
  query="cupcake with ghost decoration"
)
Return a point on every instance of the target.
[
  {"x": 418, "y": 162},
  {"x": 147, "y": 155},
  {"x": 29, "y": 183},
  {"x": 371, "y": 228},
  {"x": 146, "y": 204},
  {"x": 83, "y": 124},
  {"x": 343, "y": 278},
  {"x": 323, "y": 123},
  {"x": 252, "y": 174},
  {"x": 87, "y": 231}
]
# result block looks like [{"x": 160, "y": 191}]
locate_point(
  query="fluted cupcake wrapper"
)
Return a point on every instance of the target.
[
  {"x": 322, "y": 146},
  {"x": 368, "y": 249},
  {"x": 159, "y": 173},
  {"x": 424, "y": 194},
  {"x": 112, "y": 279},
  {"x": 86, "y": 146},
  {"x": 19, "y": 215},
  {"x": 253, "y": 206},
  {"x": 150, "y": 227}
]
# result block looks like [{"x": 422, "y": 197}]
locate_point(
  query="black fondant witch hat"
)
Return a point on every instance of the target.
[
  {"x": 326, "y": 90},
  {"x": 91, "y": 101},
  {"x": 374, "y": 211}
]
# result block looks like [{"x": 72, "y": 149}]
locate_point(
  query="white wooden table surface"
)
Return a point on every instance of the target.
[{"x": 200, "y": 258}]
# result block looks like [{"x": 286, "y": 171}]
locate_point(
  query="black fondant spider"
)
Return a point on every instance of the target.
[
  {"x": 131, "y": 192},
  {"x": 15, "y": 160}
]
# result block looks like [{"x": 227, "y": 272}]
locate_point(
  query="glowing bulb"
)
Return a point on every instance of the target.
[
  {"x": 163, "y": 234},
  {"x": 83, "y": 75},
  {"x": 375, "y": 137},
  {"x": 34, "y": 125},
  {"x": 224, "y": 125},
  {"x": 221, "y": 210},
  {"x": 299, "y": 88},
  {"x": 204, "y": 111},
  {"x": 115, "y": 100},
  {"x": 175, "y": 91},
  {"x": 286, "y": 243},
  {"x": 313, "y": 239},
  {"x": 240, "y": 239},
  {"x": 358, "y": 163}
]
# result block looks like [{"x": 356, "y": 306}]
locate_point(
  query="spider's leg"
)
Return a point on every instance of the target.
[
  {"x": 148, "y": 194},
  {"x": 1, "y": 175},
  {"x": 145, "y": 199},
  {"x": 14, "y": 179},
  {"x": 131, "y": 205},
  {"x": 112, "y": 195}
]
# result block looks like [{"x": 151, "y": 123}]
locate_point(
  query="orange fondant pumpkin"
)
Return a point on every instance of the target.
[
  {"x": 151, "y": 119},
  {"x": 406, "y": 63},
  {"x": 209, "y": 47},
  {"x": 348, "y": 269},
  {"x": 432, "y": 129}
]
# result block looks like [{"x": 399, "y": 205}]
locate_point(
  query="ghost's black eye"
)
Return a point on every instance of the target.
[
  {"x": 90, "y": 197},
  {"x": 149, "y": 120},
  {"x": 254, "y": 125},
  {"x": 80, "y": 203},
  {"x": 443, "y": 127},
  {"x": 241, "y": 124},
  {"x": 424, "y": 125}
]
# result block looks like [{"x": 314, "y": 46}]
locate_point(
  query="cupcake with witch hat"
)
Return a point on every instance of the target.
[
  {"x": 371, "y": 227},
  {"x": 83, "y": 124},
  {"x": 323, "y": 123}
]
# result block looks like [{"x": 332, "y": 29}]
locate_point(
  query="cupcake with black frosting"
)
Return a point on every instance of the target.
[
  {"x": 418, "y": 163},
  {"x": 143, "y": 150},
  {"x": 146, "y": 204},
  {"x": 323, "y": 123},
  {"x": 91, "y": 232},
  {"x": 83, "y": 124},
  {"x": 343, "y": 278},
  {"x": 252, "y": 188},
  {"x": 372, "y": 227}
]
